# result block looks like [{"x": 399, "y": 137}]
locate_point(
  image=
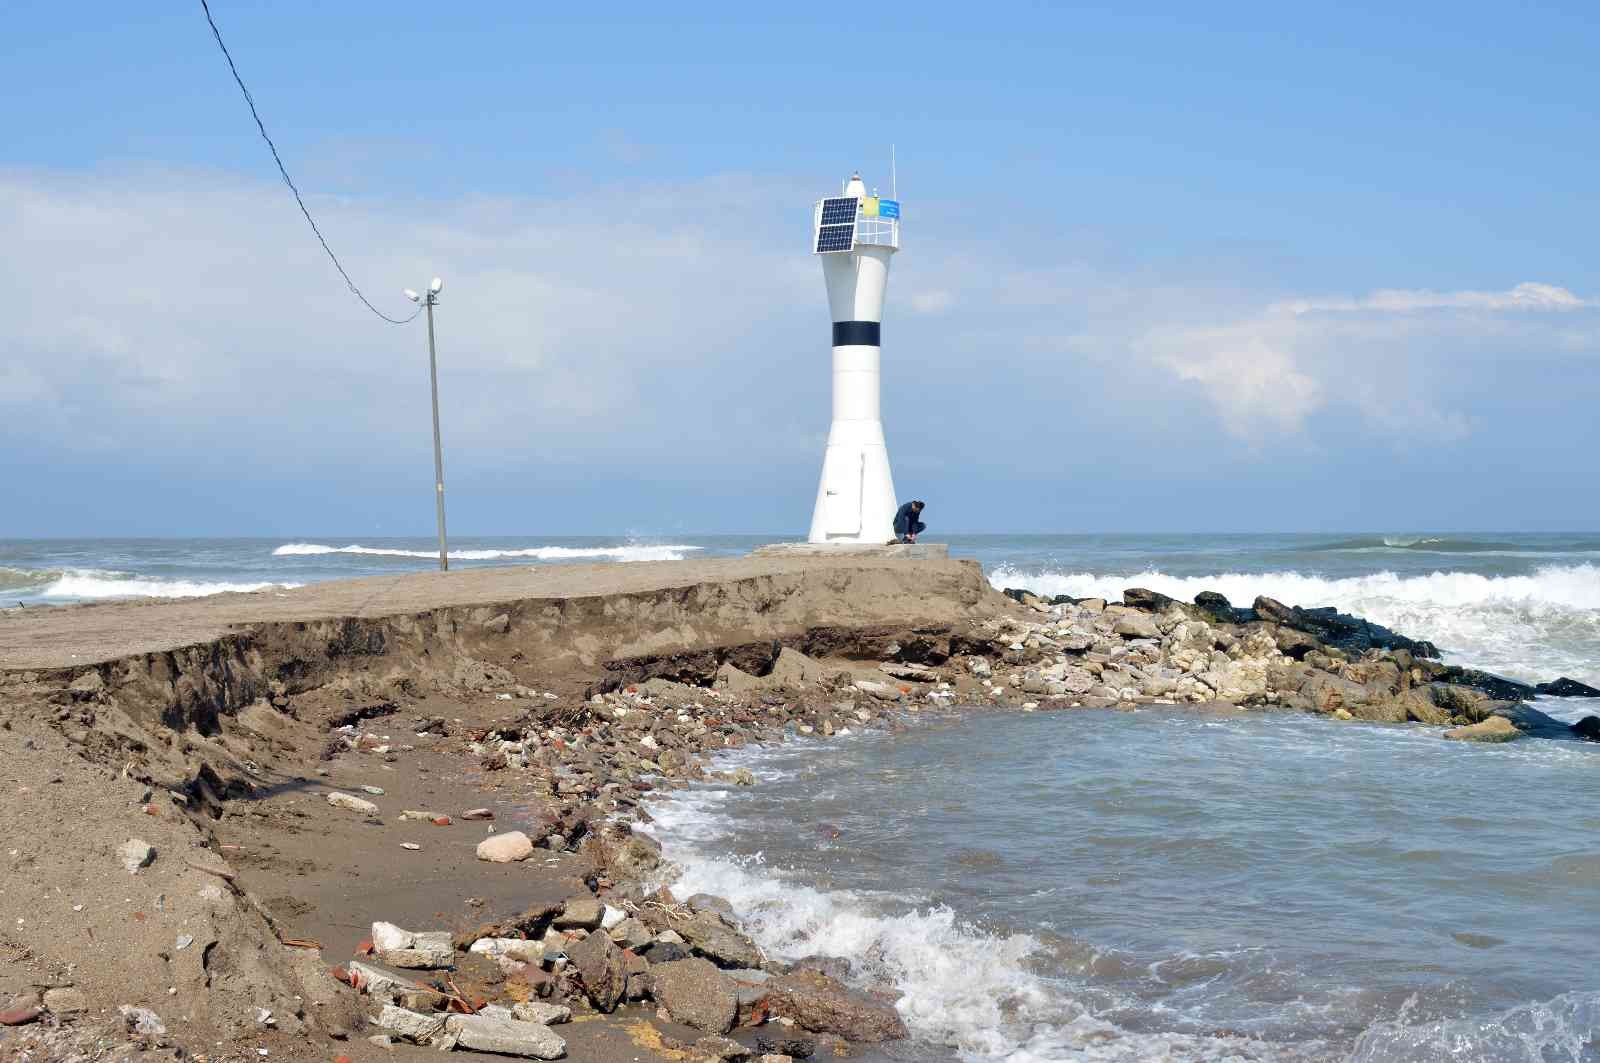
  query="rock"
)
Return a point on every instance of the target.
[
  {"x": 1150, "y": 601},
  {"x": 66, "y": 1001},
  {"x": 353, "y": 803},
  {"x": 1216, "y": 606},
  {"x": 631, "y": 934},
  {"x": 836, "y": 967},
  {"x": 735, "y": 681},
  {"x": 795, "y": 669},
  {"x": 1567, "y": 688},
  {"x": 664, "y": 952},
  {"x": 507, "y": 1036},
  {"x": 627, "y": 853},
  {"x": 510, "y": 948},
  {"x": 21, "y": 1014},
  {"x": 136, "y": 854},
  {"x": 410, "y": 1025},
  {"x": 87, "y": 685},
  {"x": 142, "y": 1021},
  {"x": 387, "y": 937},
  {"x": 477, "y": 813},
  {"x": 1136, "y": 626},
  {"x": 823, "y": 1005},
  {"x": 426, "y": 951},
  {"x": 599, "y": 963},
  {"x": 1497, "y": 687},
  {"x": 1494, "y": 729},
  {"x": 377, "y": 983},
  {"x": 696, "y": 994},
  {"x": 723, "y": 1048},
  {"x": 581, "y": 912},
  {"x": 542, "y": 1013},
  {"x": 1588, "y": 727},
  {"x": 709, "y": 935},
  {"x": 710, "y": 902},
  {"x": 505, "y": 848},
  {"x": 881, "y": 691}
]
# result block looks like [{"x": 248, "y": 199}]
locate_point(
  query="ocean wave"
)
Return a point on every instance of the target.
[
  {"x": 94, "y": 584},
  {"x": 1530, "y": 627},
  {"x": 972, "y": 991},
  {"x": 1443, "y": 544},
  {"x": 1562, "y": 1030},
  {"x": 630, "y": 552}
]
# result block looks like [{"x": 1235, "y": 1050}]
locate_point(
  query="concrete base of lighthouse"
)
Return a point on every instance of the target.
[{"x": 907, "y": 551}]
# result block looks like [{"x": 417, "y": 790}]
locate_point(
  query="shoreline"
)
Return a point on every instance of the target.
[{"x": 562, "y": 714}]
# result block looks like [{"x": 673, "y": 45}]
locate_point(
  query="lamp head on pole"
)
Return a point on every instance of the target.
[
  {"x": 437, "y": 286},
  {"x": 413, "y": 296}
]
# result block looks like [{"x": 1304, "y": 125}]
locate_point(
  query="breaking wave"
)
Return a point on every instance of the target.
[
  {"x": 673, "y": 552},
  {"x": 93, "y": 584},
  {"x": 966, "y": 989},
  {"x": 1530, "y": 627}
]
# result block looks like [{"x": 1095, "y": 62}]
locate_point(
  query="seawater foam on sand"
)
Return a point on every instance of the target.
[
  {"x": 963, "y": 988},
  {"x": 1563, "y": 1030},
  {"x": 669, "y": 552},
  {"x": 1532, "y": 627}
]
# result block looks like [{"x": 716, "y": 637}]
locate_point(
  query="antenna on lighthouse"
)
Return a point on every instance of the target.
[{"x": 894, "y": 186}]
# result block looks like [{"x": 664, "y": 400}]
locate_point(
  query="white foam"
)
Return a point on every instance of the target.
[
  {"x": 963, "y": 988},
  {"x": 670, "y": 552},
  {"x": 1532, "y": 627},
  {"x": 91, "y": 584},
  {"x": 1562, "y": 1030}
]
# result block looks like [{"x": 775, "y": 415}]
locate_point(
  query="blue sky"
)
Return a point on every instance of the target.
[{"x": 1241, "y": 267}]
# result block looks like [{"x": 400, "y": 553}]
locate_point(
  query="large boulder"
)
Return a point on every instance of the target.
[
  {"x": 1588, "y": 728},
  {"x": 505, "y": 848},
  {"x": 1494, "y": 729},
  {"x": 1136, "y": 626},
  {"x": 709, "y": 935},
  {"x": 824, "y": 1005},
  {"x": 696, "y": 994},
  {"x": 1148, "y": 600},
  {"x": 1567, "y": 688},
  {"x": 601, "y": 966}
]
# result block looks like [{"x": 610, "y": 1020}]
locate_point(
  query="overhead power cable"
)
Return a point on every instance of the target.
[{"x": 250, "y": 100}]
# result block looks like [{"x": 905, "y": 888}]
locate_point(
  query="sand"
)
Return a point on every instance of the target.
[{"x": 204, "y": 727}]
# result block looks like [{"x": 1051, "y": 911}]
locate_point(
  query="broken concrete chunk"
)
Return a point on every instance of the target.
[
  {"x": 136, "y": 854},
  {"x": 510, "y": 1037},
  {"x": 411, "y": 1025},
  {"x": 542, "y": 1013}
]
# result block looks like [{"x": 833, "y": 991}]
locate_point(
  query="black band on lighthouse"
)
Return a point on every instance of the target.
[{"x": 856, "y": 333}]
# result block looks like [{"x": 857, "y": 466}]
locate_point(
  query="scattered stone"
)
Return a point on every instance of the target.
[
  {"x": 66, "y": 1000},
  {"x": 410, "y": 1025},
  {"x": 823, "y": 1005},
  {"x": 477, "y": 813},
  {"x": 600, "y": 965},
  {"x": 723, "y": 1048},
  {"x": 136, "y": 854},
  {"x": 142, "y": 1021},
  {"x": 376, "y": 983},
  {"x": 1494, "y": 729},
  {"x": 696, "y": 994},
  {"x": 709, "y": 935},
  {"x": 507, "y": 1036},
  {"x": 1136, "y": 626},
  {"x": 353, "y": 803},
  {"x": 505, "y": 848},
  {"x": 511, "y": 948},
  {"x": 542, "y": 1013},
  {"x": 582, "y": 912}
]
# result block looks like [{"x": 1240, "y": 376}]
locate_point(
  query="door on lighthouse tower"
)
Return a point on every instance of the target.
[{"x": 842, "y": 505}]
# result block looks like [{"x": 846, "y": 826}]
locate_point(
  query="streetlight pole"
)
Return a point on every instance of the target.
[{"x": 429, "y": 301}]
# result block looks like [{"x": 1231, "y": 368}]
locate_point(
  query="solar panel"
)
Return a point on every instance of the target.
[
  {"x": 837, "y": 211},
  {"x": 836, "y": 237}
]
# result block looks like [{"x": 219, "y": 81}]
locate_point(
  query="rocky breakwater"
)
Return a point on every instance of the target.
[{"x": 1073, "y": 652}]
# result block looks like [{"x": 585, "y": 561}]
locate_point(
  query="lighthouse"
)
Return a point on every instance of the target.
[{"x": 855, "y": 235}]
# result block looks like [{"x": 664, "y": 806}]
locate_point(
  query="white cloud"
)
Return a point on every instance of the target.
[{"x": 1529, "y": 295}]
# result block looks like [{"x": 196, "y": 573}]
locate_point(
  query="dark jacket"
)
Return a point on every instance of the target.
[{"x": 905, "y": 521}]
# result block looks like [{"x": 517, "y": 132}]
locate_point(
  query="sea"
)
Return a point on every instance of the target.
[{"x": 1160, "y": 884}]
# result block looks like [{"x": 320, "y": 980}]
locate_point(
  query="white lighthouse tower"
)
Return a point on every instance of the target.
[{"x": 855, "y": 234}]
